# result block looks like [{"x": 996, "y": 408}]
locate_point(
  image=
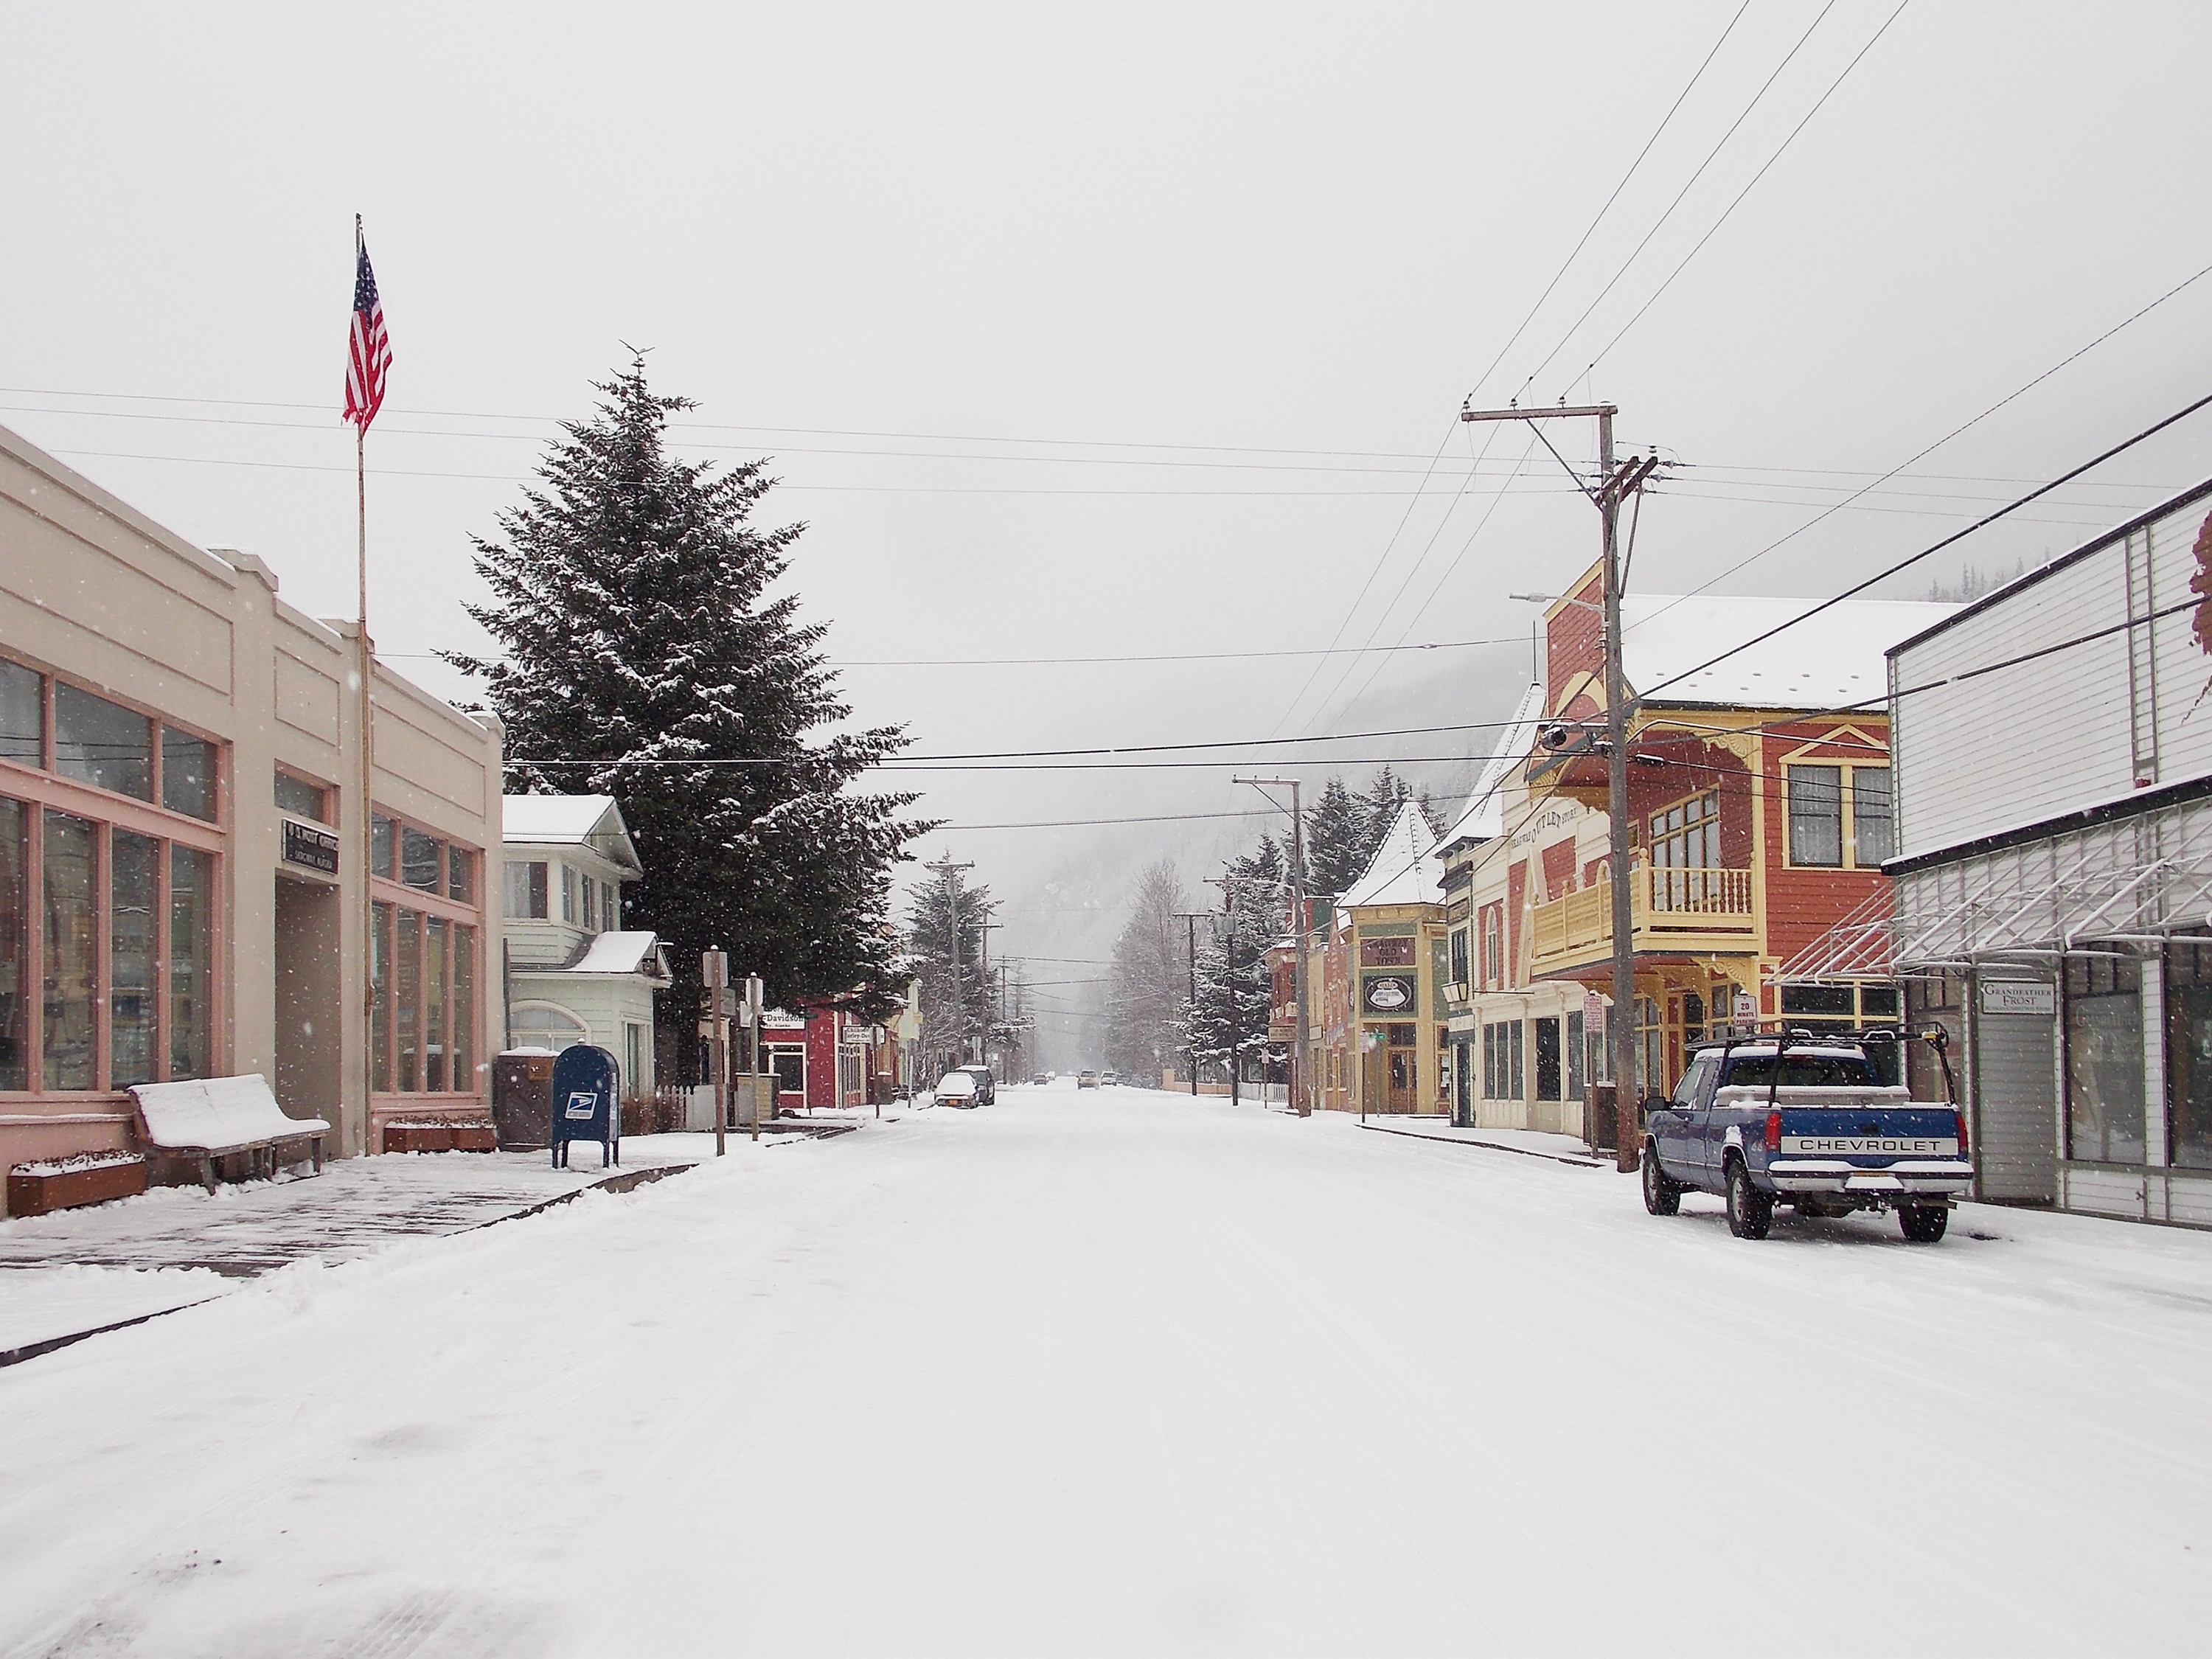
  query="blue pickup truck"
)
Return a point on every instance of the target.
[{"x": 1806, "y": 1121}]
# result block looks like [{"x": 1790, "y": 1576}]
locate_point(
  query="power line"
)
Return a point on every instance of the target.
[
  {"x": 1592, "y": 230},
  {"x": 1748, "y": 188},
  {"x": 1636, "y": 251},
  {"x": 1956, "y": 431},
  {"x": 1956, "y": 536}
]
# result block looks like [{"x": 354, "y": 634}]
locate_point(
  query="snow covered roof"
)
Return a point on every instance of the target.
[
  {"x": 593, "y": 821},
  {"x": 1484, "y": 818},
  {"x": 623, "y": 952},
  {"x": 1405, "y": 869},
  {"x": 1831, "y": 661}
]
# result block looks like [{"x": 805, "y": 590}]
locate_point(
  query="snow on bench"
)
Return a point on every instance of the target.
[{"x": 209, "y": 1118}]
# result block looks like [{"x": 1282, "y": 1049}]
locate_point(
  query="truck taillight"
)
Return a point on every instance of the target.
[
  {"x": 1774, "y": 1132},
  {"x": 1959, "y": 1122}
]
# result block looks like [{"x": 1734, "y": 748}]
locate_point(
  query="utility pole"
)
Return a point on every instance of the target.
[
  {"x": 1617, "y": 486},
  {"x": 714, "y": 971},
  {"x": 983, "y": 944},
  {"x": 1299, "y": 1104},
  {"x": 1190, "y": 919}
]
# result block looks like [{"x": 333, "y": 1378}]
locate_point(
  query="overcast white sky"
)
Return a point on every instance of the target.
[{"x": 1117, "y": 330}]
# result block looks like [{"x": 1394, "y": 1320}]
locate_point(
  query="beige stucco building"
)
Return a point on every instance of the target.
[{"x": 183, "y": 838}]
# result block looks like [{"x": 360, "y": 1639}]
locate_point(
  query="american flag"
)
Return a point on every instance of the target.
[{"x": 368, "y": 352}]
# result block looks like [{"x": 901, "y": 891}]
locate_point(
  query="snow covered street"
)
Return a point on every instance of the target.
[{"x": 1121, "y": 1373}]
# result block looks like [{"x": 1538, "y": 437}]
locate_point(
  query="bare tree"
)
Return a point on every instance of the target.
[{"x": 1145, "y": 1003}]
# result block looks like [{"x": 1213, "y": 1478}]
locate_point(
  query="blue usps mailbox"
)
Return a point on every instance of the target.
[{"x": 583, "y": 1082}]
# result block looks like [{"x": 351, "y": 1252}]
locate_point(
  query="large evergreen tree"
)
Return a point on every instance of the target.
[
  {"x": 1227, "y": 1021},
  {"x": 645, "y": 659},
  {"x": 944, "y": 934},
  {"x": 1336, "y": 840}
]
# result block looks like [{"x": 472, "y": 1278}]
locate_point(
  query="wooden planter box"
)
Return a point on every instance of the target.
[
  {"x": 475, "y": 1137},
  {"x": 33, "y": 1189},
  {"x": 418, "y": 1137}
]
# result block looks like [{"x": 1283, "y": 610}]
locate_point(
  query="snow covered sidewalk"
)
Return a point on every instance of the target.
[
  {"x": 78, "y": 1269},
  {"x": 1134, "y": 1375},
  {"x": 1529, "y": 1142}
]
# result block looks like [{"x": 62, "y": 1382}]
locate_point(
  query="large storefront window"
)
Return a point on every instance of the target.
[
  {"x": 2104, "y": 1057},
  {"x": 2188, "y": 1053},
  {"x": 191, "y": 961},
  {"x": 67, "y": 1038},
  {"x": 102, "y": 808},
  {"x": 423, "y": 972},
  {"x": 15, "y": 931},
  {"x": 133, "y": 932}
]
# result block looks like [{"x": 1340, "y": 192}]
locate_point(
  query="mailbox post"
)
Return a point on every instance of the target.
[
  {"x": 584, "y": 1081},
  {"x": 714, "y": 975}
]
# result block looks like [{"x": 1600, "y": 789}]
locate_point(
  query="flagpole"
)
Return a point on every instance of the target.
[{"x": 367, "y": 762}]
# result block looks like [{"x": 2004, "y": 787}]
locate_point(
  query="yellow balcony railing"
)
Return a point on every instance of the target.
[{"x": 1668, "y": 907}]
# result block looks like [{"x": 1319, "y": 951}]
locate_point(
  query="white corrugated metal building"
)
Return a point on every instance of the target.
[{"x": 2053, "y": 753}]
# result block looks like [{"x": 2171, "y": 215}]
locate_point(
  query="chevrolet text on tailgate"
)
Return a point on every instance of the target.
[{"x": 1806, "y": 1121}]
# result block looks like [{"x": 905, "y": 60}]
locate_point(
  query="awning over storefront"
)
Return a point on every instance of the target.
[{"x": 2139, "y": 879}]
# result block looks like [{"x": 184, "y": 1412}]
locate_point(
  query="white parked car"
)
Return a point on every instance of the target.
[{"x": 957, "y": 1089}]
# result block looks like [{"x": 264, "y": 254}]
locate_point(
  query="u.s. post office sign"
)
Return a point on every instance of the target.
[
  {"x": 1388, "y": 994},
  {"x": 310, "y": 848}
]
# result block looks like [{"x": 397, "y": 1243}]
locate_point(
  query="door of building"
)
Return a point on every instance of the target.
[
  {"x": 789, "y": 1066},
  {"x": 1402, "y": 1048}
]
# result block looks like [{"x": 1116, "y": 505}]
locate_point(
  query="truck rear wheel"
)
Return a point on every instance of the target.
[
  {"x": 1923, "y": 1223},
  {"x": 1661, "y": 1195},
  {"x": 1750, "y": 1211}
]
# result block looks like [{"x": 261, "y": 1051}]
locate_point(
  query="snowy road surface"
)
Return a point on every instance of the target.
[{"x": 1123, "y": 1373}]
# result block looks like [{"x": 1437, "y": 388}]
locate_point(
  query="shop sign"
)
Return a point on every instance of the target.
[
  {"x": 1389, "y": 994},
  {"x": 310, "y": 847},
  {"x": 2019, "y": 996}
]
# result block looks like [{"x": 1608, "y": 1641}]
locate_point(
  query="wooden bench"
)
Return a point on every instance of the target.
[{"x": 219, "y": 1117}]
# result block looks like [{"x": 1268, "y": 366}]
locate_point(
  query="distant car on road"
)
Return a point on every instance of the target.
[
  {"x": 986, "y": 1084},
  {"x": 1112, "y": 1078},
  {"x": 1807, "y": 1121},
  {"x": 1086, "y": 1080},
  {"x": 1041, "y": 1077},
  {"x": 957, "y": 1089}
]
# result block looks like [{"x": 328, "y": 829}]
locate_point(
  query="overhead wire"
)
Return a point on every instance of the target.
[
  {"x": 2120, "y": 448},
  {"x": 1762, "y": 173},
  {"x": 1636, "y": 252},
  {"x": 1591, "y": 229}
]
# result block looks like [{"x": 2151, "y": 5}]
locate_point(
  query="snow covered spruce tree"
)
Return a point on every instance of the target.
[
  {"x": 945, "y": 942},
  {"x": 1150, "y": 978},
  {"x": 1337, "y": 846},
  {"x": 645, "y": 658},
  {"x": 1227, "y": 1023}
]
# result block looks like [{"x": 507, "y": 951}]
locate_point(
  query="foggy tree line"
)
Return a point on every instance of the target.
[{"x": 1176, "y": 987}]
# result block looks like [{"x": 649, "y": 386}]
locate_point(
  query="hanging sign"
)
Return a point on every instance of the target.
[{"x": 1389, "y": 994}]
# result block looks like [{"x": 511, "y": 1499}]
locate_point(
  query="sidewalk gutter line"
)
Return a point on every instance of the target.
[
  {"x": 625, "y": 1181},
  {"x": 1488, "y": 1145}
]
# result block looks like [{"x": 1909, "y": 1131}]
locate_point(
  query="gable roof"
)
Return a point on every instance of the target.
[
  {"x": 1405, "y": 869},
  {"x": 1484, "y": 817},
  {"x": 593, "y": 821}
]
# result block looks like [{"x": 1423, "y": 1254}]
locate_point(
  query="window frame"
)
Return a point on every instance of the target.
[
  {"x": 42, "y": 789},
  {"x": 388, "y": 896},
  {"x": 1847, "y": 794}
]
